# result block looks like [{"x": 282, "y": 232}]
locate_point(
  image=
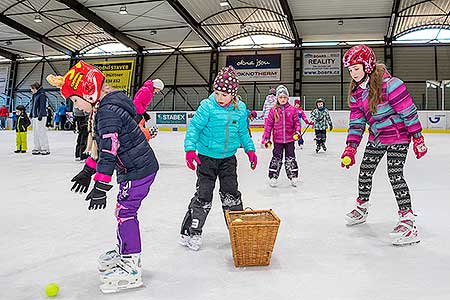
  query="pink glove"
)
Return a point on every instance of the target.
[
  {"x": 311, "y": 123},
  {"x": 253, "y": 159},
  {"x": 419, "y": 147},
  {"x": 350, "y": 152},
  {"x": 296, "y": 136},
  {"x": 190, "y": 157}
]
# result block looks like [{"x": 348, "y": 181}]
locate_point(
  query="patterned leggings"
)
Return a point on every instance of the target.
[{"x": 396, "y": 157}]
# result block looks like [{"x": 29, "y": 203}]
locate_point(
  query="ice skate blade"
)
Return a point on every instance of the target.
[
  {"x": 110, "y": 289},
  {"x": 353, "y": 222},
  {"x": 400, "y": 243},
  {"x": 405, "y": 244}
]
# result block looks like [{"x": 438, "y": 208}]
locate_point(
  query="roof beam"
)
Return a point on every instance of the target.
[
  {"x": 7, "y": 54},
  {"x": 182, "y": 11},
  {"x": 34, "y": 35},
  {"x": 100, "y": 22},
  {"x": 290, "y": 18},
  {"x": 393, "y": 20}
]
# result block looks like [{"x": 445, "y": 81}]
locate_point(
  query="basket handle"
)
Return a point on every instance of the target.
[{"x": 249, "y": 208}]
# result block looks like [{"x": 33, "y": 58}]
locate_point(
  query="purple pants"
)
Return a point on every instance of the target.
[{"x": 131, "y": 194}]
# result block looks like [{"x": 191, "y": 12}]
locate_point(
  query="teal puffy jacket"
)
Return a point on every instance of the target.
[{"x": 217, "y": 131}]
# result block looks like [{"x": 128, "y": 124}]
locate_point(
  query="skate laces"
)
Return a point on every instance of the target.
[{"x": 360, "y": 210}]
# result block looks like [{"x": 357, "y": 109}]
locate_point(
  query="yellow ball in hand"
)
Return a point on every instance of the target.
[
  {"x": 51, "y": 289},
  {"x": 346, "y": 160}
]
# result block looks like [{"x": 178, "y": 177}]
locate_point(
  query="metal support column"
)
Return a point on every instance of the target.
[
  {"x": 389, "y": 55},
  {"x": 138, "y": 72},
  {"x": 213, "y": 69},
  {"x": 436, "y": 75},
  {"x": 12, "y": 80},
  {"x": 175, "y": 82},
  {"x": 298, "y": 72}
]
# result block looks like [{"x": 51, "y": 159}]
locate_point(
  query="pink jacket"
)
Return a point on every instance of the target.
[
  {"x": 287, "y": 124},
  {"x": 144, "y": 97}
]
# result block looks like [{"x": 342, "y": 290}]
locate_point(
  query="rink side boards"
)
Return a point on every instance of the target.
[{"x": 432, "y": 121}]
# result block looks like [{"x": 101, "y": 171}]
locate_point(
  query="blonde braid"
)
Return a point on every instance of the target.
[{"x": 92, "y": 147}]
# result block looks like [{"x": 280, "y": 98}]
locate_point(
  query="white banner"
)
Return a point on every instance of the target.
[
  {"x": 3, "y": 79},
  {"x": 322, "y": 63},
  {"x": 436, "y": 120}
]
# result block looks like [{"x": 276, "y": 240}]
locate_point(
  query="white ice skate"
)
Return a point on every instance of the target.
[
  {"x": 126, "y": 274},
  {"x": 273, "y": 182},
  {"x": 405, "y": 232},
  {"x": 108, "y": 259},
  {"x": 359, "y": 214},
  {"x": 184, "y": 239},
  {"x": 193, "y": 242},
  {"x": 294, "y": 181}
]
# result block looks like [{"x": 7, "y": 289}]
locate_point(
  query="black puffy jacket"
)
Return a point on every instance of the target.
[
  {"x": 39, "y": 104},
  {"x": 122, "y": 145}
]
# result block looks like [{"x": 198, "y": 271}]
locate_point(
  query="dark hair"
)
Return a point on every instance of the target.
[
  {"x": 20, "y": 107},
  {"x": 36, "y": 85}
]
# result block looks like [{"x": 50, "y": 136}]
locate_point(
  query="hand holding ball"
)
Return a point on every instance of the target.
[{"x": 346, "y": 161}]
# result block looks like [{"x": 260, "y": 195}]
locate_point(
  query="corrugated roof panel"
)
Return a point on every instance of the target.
[
  {"x": 339, "y": 8},
  {"x": 415, "y": 14}
]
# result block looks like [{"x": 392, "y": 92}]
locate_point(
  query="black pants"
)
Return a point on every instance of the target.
[
  {"x": 321, "y": 136},
  {"x": 207, "y": 173},
  {"x": 62, "y": 122},
  {"x": 277, "y": 160},
  {"x": 82, "y": 126},
  {"x": 49, "y": 121},
  {"x": 396, "y": 157}
]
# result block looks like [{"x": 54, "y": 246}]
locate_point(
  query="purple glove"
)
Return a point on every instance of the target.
[
  {"x": 349, "y": 152},
  {"x": 419, "y": 147},
  {"x": 253, "y": 159},
  {"x": 190, "y": 157}
]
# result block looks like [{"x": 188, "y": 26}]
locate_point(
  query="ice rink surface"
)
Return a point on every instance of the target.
[{"x": 48, "y": 235}]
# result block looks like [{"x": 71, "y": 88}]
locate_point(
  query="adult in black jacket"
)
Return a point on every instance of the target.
[
  {"x": 39, "y": 118},
  {"x": 81, "y": 122},
  {"x": 122, "y": 147}
]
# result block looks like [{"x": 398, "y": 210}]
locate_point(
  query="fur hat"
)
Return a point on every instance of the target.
[{"x": 158, "y": 84}]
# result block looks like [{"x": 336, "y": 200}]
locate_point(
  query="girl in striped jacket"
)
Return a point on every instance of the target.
[{"x": 381, "y": 101}]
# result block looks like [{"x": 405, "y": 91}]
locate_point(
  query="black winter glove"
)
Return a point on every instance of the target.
[
  {"x": 39, "y": 118},
  {"x": 82, "y": 180},
  {"x": 331, "y": 127},
  {"x": 97, "y": 196}
]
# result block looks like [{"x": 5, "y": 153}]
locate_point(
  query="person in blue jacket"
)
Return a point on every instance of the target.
[
  {"x": 62, "y": 113},
  {"x": 119, "y": 145},
  {"x": 216, "y": 131}
]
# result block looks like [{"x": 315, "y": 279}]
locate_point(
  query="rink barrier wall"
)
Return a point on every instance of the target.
[{"x": 432, "y": 121}]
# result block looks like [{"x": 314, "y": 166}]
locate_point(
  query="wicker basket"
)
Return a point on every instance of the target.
[{"x": 252, "y": 234}]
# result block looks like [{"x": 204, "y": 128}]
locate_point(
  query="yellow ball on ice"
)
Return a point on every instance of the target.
[
  {"x": 346, "y": 160},
  {"x": 51, "y": 289}
]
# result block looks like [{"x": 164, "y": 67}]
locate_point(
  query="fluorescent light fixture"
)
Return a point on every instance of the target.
[
  {"x": 123, "y": 10},
  {"x": 224, "y": 3},
  {"x": 315, "y": 44},
  {"x": 37, "y": 19}
]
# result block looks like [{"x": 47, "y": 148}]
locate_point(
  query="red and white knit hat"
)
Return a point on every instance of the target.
[{"x": 227, "y": 81}]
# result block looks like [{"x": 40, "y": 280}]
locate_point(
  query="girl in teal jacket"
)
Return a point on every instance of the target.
[{"x": 217, "y": 130}]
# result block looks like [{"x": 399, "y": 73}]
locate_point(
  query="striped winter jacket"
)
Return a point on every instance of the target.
[{"x": 395, "y": 120}]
